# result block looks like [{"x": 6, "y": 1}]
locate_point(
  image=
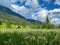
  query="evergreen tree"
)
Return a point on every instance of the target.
[{"x": 47, "y": 20}]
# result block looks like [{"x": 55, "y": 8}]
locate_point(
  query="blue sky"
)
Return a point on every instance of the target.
[
  {"x": 35, "y": 9},
  {"x": 49, "y": 5}
]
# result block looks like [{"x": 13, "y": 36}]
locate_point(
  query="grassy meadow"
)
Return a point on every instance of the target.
[{"x": 29, "y": 36}]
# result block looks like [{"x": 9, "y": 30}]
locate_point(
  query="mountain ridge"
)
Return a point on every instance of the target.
[
  {"x": 8, "y": 15},
  {"x": 9, "y": 11}
]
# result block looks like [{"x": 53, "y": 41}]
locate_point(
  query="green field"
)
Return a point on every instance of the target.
[{"x": 29, "y": 36}]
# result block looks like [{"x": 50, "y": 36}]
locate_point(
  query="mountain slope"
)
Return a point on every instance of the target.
[{"x": 8, "y": 15}]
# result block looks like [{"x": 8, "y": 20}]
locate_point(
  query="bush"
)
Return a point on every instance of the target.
[
  {"x": 8, "y": 24},
  {"x": 0, "y": 22},
  {"x": 33, "y": 37},
  {"x": 35, "y": 26},
  {"x": 47, "y": 26}
]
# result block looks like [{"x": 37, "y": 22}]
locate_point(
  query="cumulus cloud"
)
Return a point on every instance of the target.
[
  {"x": 57, "y": 2},
  {"x": 32, "y": 3},
  {"x": 55, "y": 21},
  {"x": 42, "y": 14},
  {"x": 22, "y": 11},
  {"x": 54, "y": 16}
]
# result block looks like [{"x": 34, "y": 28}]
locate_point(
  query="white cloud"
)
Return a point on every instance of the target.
[
  {"x": 55, "y": 10},
  {"x": 42, "y": 14},
  {"x": 54, "y": 16},
  {"x": 22, "y": 11},
  {"x": 48, "y": 1},
  {"x": 57, "y": 2},
  {"x": 55, "y": 21},
  {"x": 15, "y": 7},
  {"x": 33, "y": 4}
]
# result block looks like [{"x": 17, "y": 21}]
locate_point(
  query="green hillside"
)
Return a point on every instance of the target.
[{"x": 6, "y": 15}]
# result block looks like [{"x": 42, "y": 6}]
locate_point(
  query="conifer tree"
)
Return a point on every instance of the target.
[{"x": 47, "y": 20}]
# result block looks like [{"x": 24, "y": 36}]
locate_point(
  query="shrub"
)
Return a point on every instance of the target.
[{"x": 47, "y": 26}]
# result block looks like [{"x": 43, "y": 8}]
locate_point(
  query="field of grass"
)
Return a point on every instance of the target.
[{"x": 29, "y": 36}]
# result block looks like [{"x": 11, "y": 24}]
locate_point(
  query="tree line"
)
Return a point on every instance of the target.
[{"x": 33, "y": 25}]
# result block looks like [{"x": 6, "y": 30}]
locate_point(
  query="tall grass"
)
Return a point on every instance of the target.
[{"x": 29, "y": 37}]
